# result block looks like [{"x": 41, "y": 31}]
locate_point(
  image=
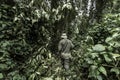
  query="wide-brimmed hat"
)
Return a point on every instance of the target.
[{"x": 64, "y": 35}]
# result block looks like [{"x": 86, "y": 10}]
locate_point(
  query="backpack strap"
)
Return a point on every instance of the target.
[{"x": 65, "y": 45}]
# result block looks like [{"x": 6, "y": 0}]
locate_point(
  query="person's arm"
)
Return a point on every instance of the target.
[{"x": 59, "y": 47}]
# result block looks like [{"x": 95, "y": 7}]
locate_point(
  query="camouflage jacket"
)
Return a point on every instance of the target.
[{"x": 65, "y": 45}]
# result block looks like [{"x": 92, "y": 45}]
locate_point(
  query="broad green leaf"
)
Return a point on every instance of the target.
[
  {"x": 93, "y": 67},
  {"x": 116, "y": 44},
  {"x": 99, "y": 77},
  {"x": 3, "y": 67},
  {"x": 110, "y": 48},
  {"x": 116, "y": 70},
  {"x": 115, "y": 35},
  {"x": 115, "y": 56},
  {"x": 108, "y": 39},
  {"x": 89, "y": 61},
  {"x": 17, "y": 77},
  {"x": 99, "y": 47},
  {"x": 93, "y": 72},
  {"x": 107, "y": 59},
  {"x": 1, "y": 76},
  {"x": 94, "y": 55},
  {"x": 5, "y": 44},
  {"x": 102, "y": 70}
]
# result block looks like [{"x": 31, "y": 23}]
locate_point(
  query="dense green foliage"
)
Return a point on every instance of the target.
[{"x": 30, "y": 31}]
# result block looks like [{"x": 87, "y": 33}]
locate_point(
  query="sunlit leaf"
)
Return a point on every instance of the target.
[
  {"x": 94, "y": 55},
  {"x": 115, "y": 35},
  {"x": 1, "y": 76},
  {"x": 107, "y": 59},
  {"x": 103, "y": 70},
  {"x": 99, "y": 77},
  {"x": 99, "y": 47},
  {"x": 116, "y": 70},
  {"x": 108, "y": 39},
  {"x": 115, "y": 56}
]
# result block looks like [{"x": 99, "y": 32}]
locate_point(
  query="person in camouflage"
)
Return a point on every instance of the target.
[{"x": 64, "y": 47}]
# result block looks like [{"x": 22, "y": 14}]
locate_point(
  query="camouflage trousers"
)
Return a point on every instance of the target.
[
  {"x": 66, "y": 64},
  {"x": 65, "y": 60}
]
